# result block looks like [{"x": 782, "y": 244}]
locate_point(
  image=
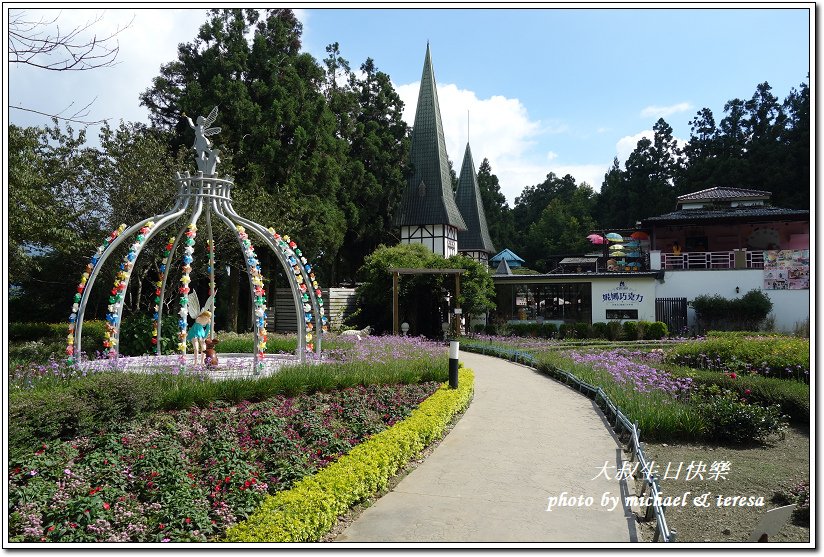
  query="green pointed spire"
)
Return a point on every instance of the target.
[
  {"x": 428, "y": 198},
  {"x": 468, "y": 198}
]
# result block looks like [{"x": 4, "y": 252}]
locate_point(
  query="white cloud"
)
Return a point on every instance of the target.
[
  {"x": 664, "y": 111},
  {"x": 499, "y": 130},
  {"x": 627, "y": 144},
  {"x": 551, "y": 156}
]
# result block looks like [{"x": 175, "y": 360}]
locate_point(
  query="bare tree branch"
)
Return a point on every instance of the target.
[
  {"x": 72, "y": 119},
  {"x": 35, "y": 43}
]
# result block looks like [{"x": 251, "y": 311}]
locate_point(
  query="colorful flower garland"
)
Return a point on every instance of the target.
[
  {"x": 167, "y": 254},
  {"x": 191, "y": 233},
  {"x": 294, "y": 256},
  {"x": 259, "y": 291},
  {"x": 121, "y": 281},
  {"x": 82, "y": 286}
]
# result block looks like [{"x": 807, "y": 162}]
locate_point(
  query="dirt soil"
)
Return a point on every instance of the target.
[{"x": 756, "y": 471}]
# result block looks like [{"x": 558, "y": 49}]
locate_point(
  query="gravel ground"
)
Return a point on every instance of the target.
[{"x": 757, "y": 471}]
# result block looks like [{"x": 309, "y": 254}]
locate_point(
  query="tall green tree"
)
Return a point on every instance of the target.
[
  {"x": 277, "y": 129},
  {"x": 499, "y": 218},
  {"x": 375, "y": 170},
  {"x": 795, "y": 136}
]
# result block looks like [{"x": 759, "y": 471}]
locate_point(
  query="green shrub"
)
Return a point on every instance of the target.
[
  {"x": 730, "y": 419},
  {"x": 478, "y": 328},
  {"x": 744, "y": 313},
  {"x": 136, "y": 334},
  {"x": 45, "y": 415},
  {"x": 491, "y": 330},
  {"x": 311, "y": 508},
  {"x": 614, "y": 330},
  {"x": 549, "y": 330},
  {"x": 655, "y": 330},
  {"x": 27, "y": 332},
  {"x": 566, "y": 330},
  {"x": 630, "y": 330},
  {"x": 792, "y": 397},
  {"x": 581, "y": 330},
  {"x": 600, "y": 330}
]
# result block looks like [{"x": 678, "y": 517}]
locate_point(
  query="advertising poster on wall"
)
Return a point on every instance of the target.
[{"x": 787, "y": 270}]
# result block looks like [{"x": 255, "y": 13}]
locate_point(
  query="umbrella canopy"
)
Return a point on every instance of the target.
[
  {"x": 614, "y": 237},
  {"x": 618, "y": 253},
  {"x": 639, "y": 235},
  {"x": 616, "y": 246},
  {"x": 633, "y": 244},
  {"x": 596, "y": 238},
  {"x": 634, "y": 254}
]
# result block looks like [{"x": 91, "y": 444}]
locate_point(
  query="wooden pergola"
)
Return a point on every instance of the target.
[{"x": 398, "y": 271}]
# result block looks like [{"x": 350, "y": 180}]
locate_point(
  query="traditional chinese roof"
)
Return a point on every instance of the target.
[
  {"x": 511, "y": 259},
  {"x": 428, "y": 197},
  {"x": 468, "y": 198},
  {"x": 725, "y": 194},
  {"x": 730, "y": 214}
]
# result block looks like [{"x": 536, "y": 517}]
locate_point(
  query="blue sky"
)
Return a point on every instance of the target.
[{"x": 551, "y": 89}]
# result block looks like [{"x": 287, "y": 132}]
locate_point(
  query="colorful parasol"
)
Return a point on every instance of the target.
[
  {"x": 596, "y": 238},
  {"x": 639, "y": 235},
  {"x": 614, "y": 237},
  {"x": 618, "y": 253}
]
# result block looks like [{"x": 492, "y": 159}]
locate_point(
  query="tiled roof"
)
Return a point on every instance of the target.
[
  {"x": 468, "y": 198},
  {"x": 725, "y": 193},
  {"x": 731, "y": 213},
  {"x": 428, "y": 197}
]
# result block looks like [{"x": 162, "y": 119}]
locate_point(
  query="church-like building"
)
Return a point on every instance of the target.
[{"x": 447, "y": 222}]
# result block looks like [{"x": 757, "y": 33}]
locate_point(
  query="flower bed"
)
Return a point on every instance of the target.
[
  {"x": 310, "y": 509},
  {"x": 188, "y": 475},
  {"x": 774, "y": 356}
]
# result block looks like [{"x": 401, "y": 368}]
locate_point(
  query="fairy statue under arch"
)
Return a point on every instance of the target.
[
  {"x": 207, "y": 158},
  {"x": 201, "y": 328}
]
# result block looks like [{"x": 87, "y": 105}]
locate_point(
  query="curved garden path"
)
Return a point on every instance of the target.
[{"x": 523, "y": 439}]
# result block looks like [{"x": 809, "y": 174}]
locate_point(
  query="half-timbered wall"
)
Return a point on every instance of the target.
[{"x": 440, "y": 238}]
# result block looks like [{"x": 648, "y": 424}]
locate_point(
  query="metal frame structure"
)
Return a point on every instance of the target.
[{"x": 202, "y": 194}]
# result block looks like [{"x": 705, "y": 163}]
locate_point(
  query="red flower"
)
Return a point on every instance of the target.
[
  {"x": 733, "y": 375},
  {"x": 188, "y": 520},
  {"x": 747, "y": 391},
  {"x": 51, "y": 528},
  {"x": 161, "y": 526}
]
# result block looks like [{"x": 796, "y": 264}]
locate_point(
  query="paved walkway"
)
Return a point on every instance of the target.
[{"x": 525, "y": 438}]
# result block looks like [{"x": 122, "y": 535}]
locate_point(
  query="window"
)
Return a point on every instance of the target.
[{"x": 622, "y": 314}]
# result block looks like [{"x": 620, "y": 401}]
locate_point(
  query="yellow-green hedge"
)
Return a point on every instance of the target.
[{"x": 310, "y": 509}]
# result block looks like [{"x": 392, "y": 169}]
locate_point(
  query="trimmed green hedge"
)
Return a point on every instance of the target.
[
  {"x": 27, "y": 332},
  {"x": 311, "y": 508}
]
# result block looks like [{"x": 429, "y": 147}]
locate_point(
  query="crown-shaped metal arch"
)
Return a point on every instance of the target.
[{"x": 202, "y": 195}]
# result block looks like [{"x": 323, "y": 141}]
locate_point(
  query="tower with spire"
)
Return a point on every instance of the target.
[
  {"x": 475, "y": 241},
  {"x": 428, "y": 213}
]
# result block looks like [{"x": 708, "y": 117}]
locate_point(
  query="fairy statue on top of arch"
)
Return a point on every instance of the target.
[{"x": 207, "y": 158}]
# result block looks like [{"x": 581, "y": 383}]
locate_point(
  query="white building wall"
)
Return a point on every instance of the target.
[{"x": 790, "y": 307}]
